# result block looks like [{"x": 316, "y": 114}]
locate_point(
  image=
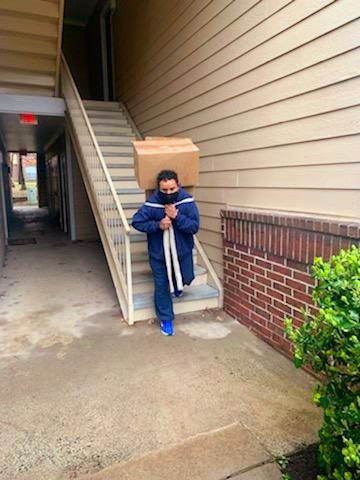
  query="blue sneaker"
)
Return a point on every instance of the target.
[
  {"x": 167, "y": 327},
  {"x": 178, "y": 293}
]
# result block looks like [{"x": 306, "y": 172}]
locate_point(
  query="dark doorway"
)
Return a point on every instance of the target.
[
  {"x": 99, "y": 41},
  {"x": 107, "y": 52}
]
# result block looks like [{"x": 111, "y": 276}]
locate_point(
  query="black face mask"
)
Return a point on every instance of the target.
[{"x": 167, "y": 198}]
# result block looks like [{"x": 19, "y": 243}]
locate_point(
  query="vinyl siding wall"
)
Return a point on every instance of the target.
[
  {"x": 30, "y": 36},
  {"x": 269, "y": 90}
]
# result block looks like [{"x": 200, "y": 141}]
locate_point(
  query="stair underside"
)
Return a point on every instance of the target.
[{"x": 115, "y": 135}]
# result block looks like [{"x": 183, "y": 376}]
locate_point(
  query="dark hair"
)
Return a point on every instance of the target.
[{"x": 167, "y": 175}]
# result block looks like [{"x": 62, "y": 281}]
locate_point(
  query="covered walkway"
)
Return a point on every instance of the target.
[
  {"x": 51, "y": 290},
  {"x": 81, "y": 390}
]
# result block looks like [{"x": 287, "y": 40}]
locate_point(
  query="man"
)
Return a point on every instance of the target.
[{"x": 170, "y": 219}]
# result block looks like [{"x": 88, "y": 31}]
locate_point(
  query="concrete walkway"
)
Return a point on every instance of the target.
[{"x": 81, "y": 391}]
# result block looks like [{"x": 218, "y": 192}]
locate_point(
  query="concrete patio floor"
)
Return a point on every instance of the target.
[{"x": 81, "y": 390}]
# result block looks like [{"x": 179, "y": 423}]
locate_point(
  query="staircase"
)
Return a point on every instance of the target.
[{"x": 102, "y": 133}]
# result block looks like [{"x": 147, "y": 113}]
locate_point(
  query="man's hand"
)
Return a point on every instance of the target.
[
  {"x": 171, "y": 211},
  {"x": 165, "y": 223}
]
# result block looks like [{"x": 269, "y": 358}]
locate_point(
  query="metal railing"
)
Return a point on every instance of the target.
[{"x": 111, "y": 220}]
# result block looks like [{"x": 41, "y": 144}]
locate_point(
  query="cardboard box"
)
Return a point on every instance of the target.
[{"x": 152, "y": 156}]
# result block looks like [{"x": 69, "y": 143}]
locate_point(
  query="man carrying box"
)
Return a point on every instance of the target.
[{"x": 170, "y": 218}]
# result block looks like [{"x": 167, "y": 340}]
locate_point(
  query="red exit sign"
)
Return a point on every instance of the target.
[{"x": 28, "y": 119}]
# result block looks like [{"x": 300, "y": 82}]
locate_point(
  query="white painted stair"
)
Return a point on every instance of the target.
[{"x": 114, "y": 135}]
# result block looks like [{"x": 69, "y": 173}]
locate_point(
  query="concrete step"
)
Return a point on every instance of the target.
[
  {"x": 116, "y": 148},
  {"x": 110, "y": 156},
  {"x": 127, "y": 178},
  {"x": 129, "y": 209},
  {"x": 101, "y": 105},
  {"x": 119, "y": 122},
  {"x": 113, "y": 134},
  {"x": 140, "y": 260},
  {"x": 114, "y": 130},
  {"x": 131, "y": 195},
  {"x": 104, "y": 114},
  {"x": 124, "y": 182},
  {"x": 143, "y": 281},
  {"x": 113, "y": 140},
  {"x": 118, "y": 160},
  {"x": 122, "y": 171},
  {"x": 191, "y": 293},
  {"x": 214, "y": 455}
]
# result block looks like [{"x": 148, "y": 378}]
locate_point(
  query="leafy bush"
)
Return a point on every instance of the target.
[{"x": 329, "y": 342}]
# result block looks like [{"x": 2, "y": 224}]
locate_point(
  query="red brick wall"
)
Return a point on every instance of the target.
[{"x": 267, "y": 260}]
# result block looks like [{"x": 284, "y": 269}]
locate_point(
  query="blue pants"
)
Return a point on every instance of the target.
[{"x": 162, "y": 296}]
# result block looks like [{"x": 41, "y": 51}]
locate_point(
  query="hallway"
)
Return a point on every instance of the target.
[{"x": 51, "y": 290}]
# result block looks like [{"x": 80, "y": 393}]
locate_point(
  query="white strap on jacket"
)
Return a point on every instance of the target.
[{"x": 170, "y": 251}]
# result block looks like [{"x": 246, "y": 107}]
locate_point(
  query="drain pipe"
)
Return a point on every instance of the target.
[{"x": 109, "y": 8}]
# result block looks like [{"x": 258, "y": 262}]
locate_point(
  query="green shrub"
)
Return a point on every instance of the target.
[{"x": 329, "y": 342}]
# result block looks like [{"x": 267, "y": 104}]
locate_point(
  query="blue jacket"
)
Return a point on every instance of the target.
[{"x": 186, "y": 224}]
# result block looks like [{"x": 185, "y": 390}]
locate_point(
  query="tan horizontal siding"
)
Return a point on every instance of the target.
[
  {"x": 194, "y": 26},
  {"x": 11, "y": 23},
  {"x": 329, "y": 83},
  {"x": 33, "y": 7},
  {"x": 269, "y": 90},
  {"x": 25, "y": 90},
  {"x": 343, "y": 176},
  {"x": 32, "y": 63},
  {"x": 343, "y": 203},
  {"x": 226, "y": 66},
  {"x": 29, "y": 45},
  {"x": 328, "y": 151},
  {"x": 285, "y": 73},
  {"x": 341, "y": 95},
  {"x": 147, "y": 18},
  {"x": 206, "y": 43}
]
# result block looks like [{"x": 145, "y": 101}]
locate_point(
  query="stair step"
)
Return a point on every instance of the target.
[
  {"x": 132, "y": 205},
  {"x": 192, "y": 294},
  {"x": 120, "y": 178},
  {"x": 114, "y": 131},
  {"x": 129, "y": 191},
  {"x": 143, "y": 281},
  {"x": 101, "y": 105},
  {"x": 140, "y": 259},
  {"x": 143, "y": 277},
  {"x": 104, "y": 114},
  {"x": 123, "y": 182},
  {"x": 119, "y": 122},
  {"x": 107, "y": 147},
  {"x": 131, "y": 195},
  {"x": 106, "y": 141},
  {"x": 114, "y": 154},
  {"x": 117, "y": 173},
  {"x": 121, "y": 165},
  {"x": 113, "y": 140},
  {"x": 135, "y": 236}
]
